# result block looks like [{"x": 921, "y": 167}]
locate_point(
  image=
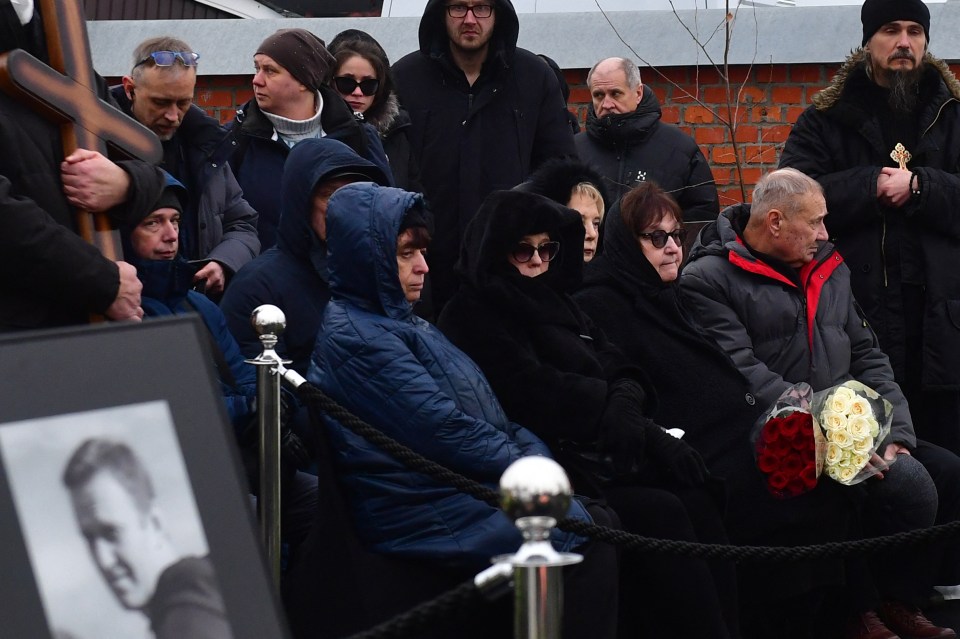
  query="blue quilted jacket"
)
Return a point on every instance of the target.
[{"x": 400, "y": 374}]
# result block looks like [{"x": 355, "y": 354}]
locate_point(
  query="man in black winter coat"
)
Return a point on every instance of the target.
[
  {"x": 627, "y": 143},
  {"x": 884, "y": 142},
  {"x": 219, "y": 226},
  {"x": 484, "y": 115},
  {"x": 49, "y": 276}
]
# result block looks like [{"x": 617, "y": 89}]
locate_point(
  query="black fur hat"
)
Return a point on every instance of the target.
[{"x": 556, "y": 178}]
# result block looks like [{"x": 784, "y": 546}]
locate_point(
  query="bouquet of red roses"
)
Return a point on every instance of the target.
[
  {"x": 789, "y": 447},
  {"x": 835, "y": 431}
]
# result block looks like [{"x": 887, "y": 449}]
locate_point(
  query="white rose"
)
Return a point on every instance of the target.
[
  {"x": 845, "y": 475},
  {"x": 840, "y": 400},
  {"x": 833, "y": 473},
  {"x": 860, "y": 406},
  {"x": 874, "y": 427},
  {"x": 858, "y": 426},
  {"x": 862, "y": 445},
  {"x": 834, "y": 454},
  {"x": 841, "y": 438},
  {"x": 832, "y": 420},
  {"x": 859, "y": 461}
]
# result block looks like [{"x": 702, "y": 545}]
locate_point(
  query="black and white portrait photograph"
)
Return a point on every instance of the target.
[{"x": 111, "y": 525}]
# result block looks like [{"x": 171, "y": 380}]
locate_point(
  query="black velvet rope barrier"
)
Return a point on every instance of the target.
[{"x": 636, "y": 543}]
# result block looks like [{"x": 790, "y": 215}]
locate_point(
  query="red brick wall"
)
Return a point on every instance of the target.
[{"x": 768, "y": 100}]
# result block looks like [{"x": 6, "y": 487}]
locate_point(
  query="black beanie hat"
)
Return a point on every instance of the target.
[
  {"x": 302, "y": 54},
  {"x": 169, "y": 199},
  {"x": 876, "y": 13}
]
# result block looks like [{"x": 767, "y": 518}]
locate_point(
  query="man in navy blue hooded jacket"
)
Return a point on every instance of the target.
[{"x": 293, "y": 274}]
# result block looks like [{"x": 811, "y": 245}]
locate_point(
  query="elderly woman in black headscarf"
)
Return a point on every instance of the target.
[{"x": 559, "y": 376}]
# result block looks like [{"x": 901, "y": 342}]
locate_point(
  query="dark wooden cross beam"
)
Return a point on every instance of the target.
[{"x": 66, "y": 93}]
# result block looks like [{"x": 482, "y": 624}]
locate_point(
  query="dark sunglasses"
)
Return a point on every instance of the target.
[
  {"x": 347, "y": 85},
  {"x": 167, "y": 58},
  {"x": 659, "y": 238},
  {"x": 547, "y": 251}
]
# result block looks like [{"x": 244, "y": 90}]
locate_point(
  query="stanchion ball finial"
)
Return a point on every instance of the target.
[
  {"x": 535, "y": 486},
  {"x": 267, "y": 319}
]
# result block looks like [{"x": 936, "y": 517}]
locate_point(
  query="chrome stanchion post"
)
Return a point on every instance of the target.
[
  {"x": 269, "y": 322},
  {"x": 535, "y": 492}
]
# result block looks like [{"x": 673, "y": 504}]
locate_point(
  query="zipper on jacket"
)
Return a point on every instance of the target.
[
  {"x": 939, "y": 111},
  {"x": 883, "y": 248}
]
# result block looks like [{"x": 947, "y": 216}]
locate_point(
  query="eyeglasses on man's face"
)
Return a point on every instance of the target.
[
  {"x": 523, "y": 252},
  {"x": 479, "y": 10},
  {"x": 659, "y": 238},
  {"x": 347, "y": 85},
  {"x": 167, "y": 58}
]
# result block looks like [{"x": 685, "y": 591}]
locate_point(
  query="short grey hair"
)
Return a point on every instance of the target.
[
  {"x": 161, "y": 43},
  {"x": 782, "y": 190},
  {"x": 629, "y": 69}
]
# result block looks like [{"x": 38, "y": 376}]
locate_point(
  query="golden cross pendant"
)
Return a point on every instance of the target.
[{"x": 901, "y": 156}]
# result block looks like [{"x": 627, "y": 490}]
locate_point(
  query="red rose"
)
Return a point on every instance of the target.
[
  {"x": 779, "y": 447},
  {"x": 771, "y": 430},
  {"x": 809, "y": 476},
  {"x": 791, "y": 424},
  {"x": 778, "y": 481},
  {"x": 768, "y": 462},
  {"x": 792, "y": 464}
]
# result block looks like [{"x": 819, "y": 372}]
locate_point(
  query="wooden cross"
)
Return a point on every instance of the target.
[
  {"x": 66, "y": 93},
  {"x": 901, "y": 156}
]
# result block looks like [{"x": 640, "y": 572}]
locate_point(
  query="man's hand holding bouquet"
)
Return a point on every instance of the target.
[{"x": 835, "y": 431}]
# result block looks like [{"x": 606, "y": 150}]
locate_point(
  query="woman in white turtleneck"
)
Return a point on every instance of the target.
[{"x": 291, "y": 103}]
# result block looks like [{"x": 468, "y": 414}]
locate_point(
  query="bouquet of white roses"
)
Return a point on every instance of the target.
[{"x": 854, "y": 419}]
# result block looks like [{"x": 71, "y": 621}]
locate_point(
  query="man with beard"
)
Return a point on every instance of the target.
[{"x": 884, "y": 142}]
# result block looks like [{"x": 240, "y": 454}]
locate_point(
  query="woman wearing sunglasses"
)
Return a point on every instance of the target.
[
  {"x": 362, "y": 77},
  {"x": 631, "y": 292},
  {"x": 555, "y": 373}
]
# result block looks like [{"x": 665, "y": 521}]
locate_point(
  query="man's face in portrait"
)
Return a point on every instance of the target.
[{"x": 122, "y": 538}]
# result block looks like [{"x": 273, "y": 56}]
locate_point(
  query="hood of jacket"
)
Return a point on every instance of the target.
[
  {"x": 619, "y": 128},
  {"x": 856, "y": 64},
  {"x": 504, "y": 218},
  {"x": 434, "y": 41},
  {"x": 556, "y": 178},
  {"x": 363, "y": 222},
  {"x": 309, "y": 163},
  {"x": 382, "y": 116}
]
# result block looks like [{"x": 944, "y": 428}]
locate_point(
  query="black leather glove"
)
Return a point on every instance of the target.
[
  {"x": 622, "y": 432},
  {"x": 680, "y": 459}
]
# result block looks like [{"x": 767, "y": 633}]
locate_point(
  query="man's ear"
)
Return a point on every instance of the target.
[
  {"x": 128, "y": 86},
  {"x": 774, "y": 220}
]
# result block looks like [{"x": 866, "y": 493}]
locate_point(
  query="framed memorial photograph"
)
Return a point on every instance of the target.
[{"x": 124, "y": 508}]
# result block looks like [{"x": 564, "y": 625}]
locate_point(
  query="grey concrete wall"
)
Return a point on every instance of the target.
[{"x": 575, "y": 40}]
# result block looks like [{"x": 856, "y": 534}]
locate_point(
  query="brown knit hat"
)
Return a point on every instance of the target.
[{"x": 301, "y": 53}]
